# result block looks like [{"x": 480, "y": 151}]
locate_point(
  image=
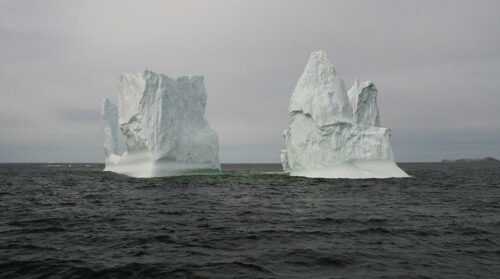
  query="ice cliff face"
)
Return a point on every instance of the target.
[
  {"x": 333, "y": 133},
  {"x": 159, "y": 127},
  {"x": 114, "y": 144},
  {"x": 363, "y": 99}
]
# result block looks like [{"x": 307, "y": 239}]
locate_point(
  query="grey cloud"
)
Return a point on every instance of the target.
[
  {"x": 435, "y": 66},
  {"x": 11, "y": 120},
  {"x": 80, "y": 115}
]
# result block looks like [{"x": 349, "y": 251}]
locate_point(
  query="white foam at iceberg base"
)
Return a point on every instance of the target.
[
  {"x": 356, "y": 170},
  {"x": 159, "y": 127},
  {"x": 333, "y": 133}
]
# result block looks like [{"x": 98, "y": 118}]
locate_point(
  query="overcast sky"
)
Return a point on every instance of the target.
[{"x": 436, "y": 65}]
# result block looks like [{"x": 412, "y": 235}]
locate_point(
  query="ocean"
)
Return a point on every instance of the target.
[{"x": 250, "y": 221}]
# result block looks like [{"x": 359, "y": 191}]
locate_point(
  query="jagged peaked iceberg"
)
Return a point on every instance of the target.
[
  {"x": 334, "y": 133},
  {"x": 159, "y": 127}
]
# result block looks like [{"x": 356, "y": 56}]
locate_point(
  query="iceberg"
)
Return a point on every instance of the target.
[
  {"x": 159, "y": 127},
  {"x": 333, "y": 132}
]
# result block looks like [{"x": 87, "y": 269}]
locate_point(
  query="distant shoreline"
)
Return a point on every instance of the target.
[{"x": 472, "y": 160}]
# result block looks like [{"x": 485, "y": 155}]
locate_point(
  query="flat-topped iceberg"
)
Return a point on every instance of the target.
[
  {"x": 335, "y": 133},
  {"x": 159, "y": 127}
]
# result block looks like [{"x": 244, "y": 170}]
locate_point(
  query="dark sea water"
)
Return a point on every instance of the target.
[{"x": 75, "y": 221}]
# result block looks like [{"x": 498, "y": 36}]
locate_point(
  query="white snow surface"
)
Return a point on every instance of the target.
[
  {"x": 333, "y": 133},
  {"x": 159, "y": 127}
]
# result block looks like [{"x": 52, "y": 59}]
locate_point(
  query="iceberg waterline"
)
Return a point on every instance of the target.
[
  {"x": 159, "y": 127},
  {"x": 335, "y": 133}
]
